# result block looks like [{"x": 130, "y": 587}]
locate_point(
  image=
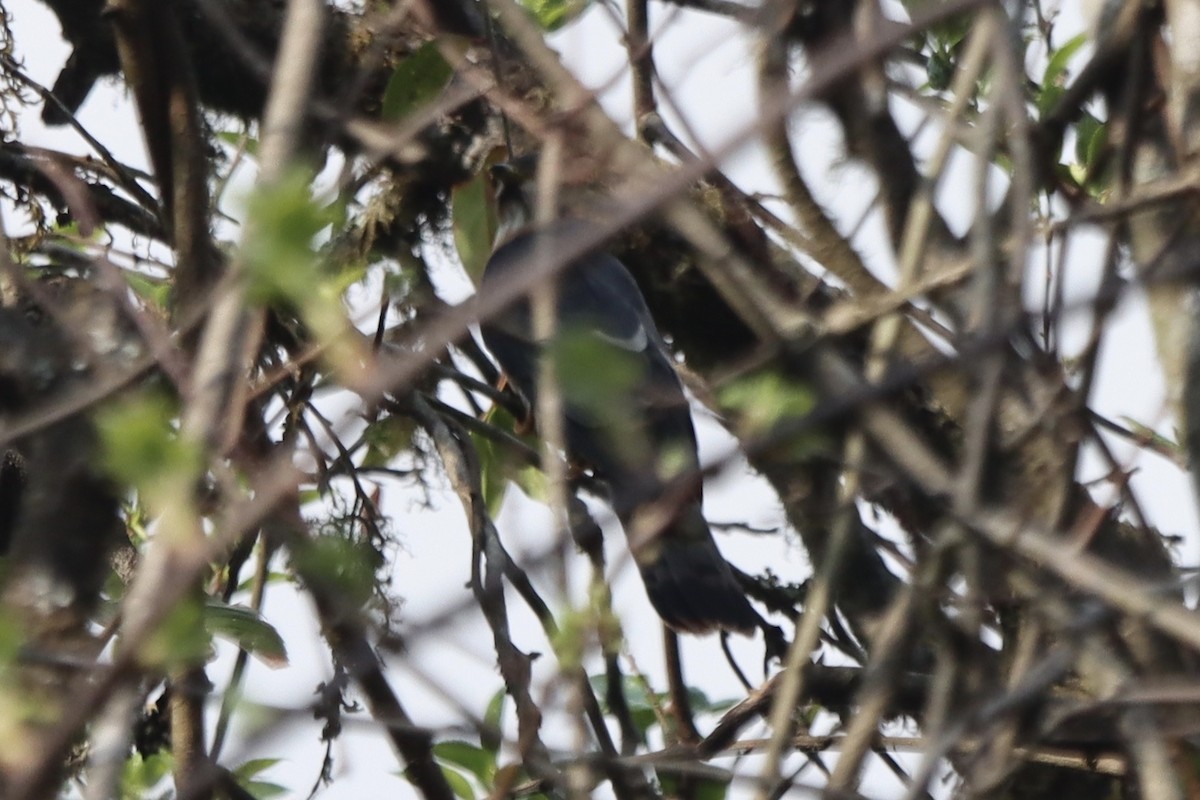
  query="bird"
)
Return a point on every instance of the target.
[{"x": 637, "y": 439}]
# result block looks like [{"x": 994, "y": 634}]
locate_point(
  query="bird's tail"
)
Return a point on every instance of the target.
[{"x": 688, "y": 580}]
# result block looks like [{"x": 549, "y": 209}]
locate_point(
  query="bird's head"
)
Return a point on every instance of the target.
[
  {"x": 516, "y": 196},
  {"x": 578, "y": 193}
]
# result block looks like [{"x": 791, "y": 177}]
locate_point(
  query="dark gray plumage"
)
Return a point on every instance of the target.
[{"x": 636, "y": 443}]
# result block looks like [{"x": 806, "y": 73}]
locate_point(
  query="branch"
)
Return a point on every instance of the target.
[
  {"x": 20, "y": 166},
  {"x": 158, "y": 69},
  {"x": 461, "y": 467},
  {"x": 824, "y": 242}
]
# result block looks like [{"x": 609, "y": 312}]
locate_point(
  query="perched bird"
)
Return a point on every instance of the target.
[{"x": 637, "y": 436}]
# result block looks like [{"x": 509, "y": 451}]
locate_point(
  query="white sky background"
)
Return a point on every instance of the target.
[{"x": 708, "y": 67}]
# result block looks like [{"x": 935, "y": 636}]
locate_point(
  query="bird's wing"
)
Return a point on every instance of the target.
[
  {"x": 595, "y": 289},
  {"x": 600, "y": 295}
]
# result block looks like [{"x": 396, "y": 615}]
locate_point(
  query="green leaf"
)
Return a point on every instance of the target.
[
  {"x": 473, "y": 219},
  {"x": 140, "y": 775},
  {"x": 282, "y": 221},
  {"x": 763, "y": 399},
  {"x": 71, "y": 237},
  {"x": 254, "y": 766},
  {"x": 514, "y": 775},
  {"x": 473, "y": 758},
  {"x": 283, "y": 267},
  {"x": 947, "y": 33},
  {"x": 273, "y": 576},
  {"x": 263, "y": 790},
  {"x": 459, "y": 783},
  {"x": 1090, "y": 137},
  {"x": 343, "y": 565},
  {"x": 1056, "y": 67},
  {"x": 532, "y": 482},
  {"x": 248, "y": 629},
  {"x": 239, "y": 139},
  {"x": 554, "y": 14},
  {"x": 702, "y": 705},
  {"x": 1091, "y": 140},
  {"x": 140, "y": 445},
  {"x": 644, "y": 705},
  {"x": 181, "y": 638},
  {"x": 940, "y": 70},
  {"x": 699, "y": 788},
  {"x": 499, "y": 464},
  {"x": 154, "y": 291},
  {"x": 1055, "y": 76},
  {"x": 492, "y": 718},
  {"x": 416, "y": 82},
  {"x": 493, "y": 466},
  {"x": 1077, "y": 173}
]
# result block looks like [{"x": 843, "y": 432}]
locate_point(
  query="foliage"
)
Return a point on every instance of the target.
[
  {"x": 207, "y": 404},
  {"x": 416, "y": 82},
  {"x": 554, "y": 14}
]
